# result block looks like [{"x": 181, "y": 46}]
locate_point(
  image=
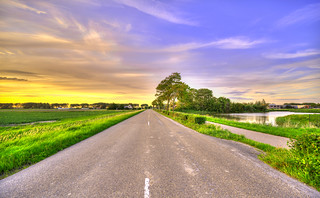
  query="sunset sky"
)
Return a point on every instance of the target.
[{"x": 90, "y": 51}]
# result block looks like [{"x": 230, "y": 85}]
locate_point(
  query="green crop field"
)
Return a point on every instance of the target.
[
  {"x": 29, "y": 115},
  {"x": 24, "y": 145}
]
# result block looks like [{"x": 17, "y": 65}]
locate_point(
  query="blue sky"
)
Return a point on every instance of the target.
[{"x": 119, "y": 50}]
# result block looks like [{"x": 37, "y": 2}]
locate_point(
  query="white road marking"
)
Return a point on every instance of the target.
[
  {"x": 146, "y": 188},
  {"x": 148, "y": 123}
]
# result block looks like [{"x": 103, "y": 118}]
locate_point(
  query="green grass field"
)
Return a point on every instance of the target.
[
  {"x": 21, "y": 146},
  {"x": 299, "y": 121},
  {"x": 26, "y": 116}
]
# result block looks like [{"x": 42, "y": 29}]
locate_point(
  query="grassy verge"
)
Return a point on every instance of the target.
[
  {"x": 299, "y": 121},
  {"x": 22, "y": 146},
  {"x": 302, "y": 161},
  {"x": 30, "y": 115},
  {"x": 289, "y": 132}
]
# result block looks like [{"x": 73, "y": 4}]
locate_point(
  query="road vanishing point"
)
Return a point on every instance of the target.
[{"x": 150, "y": 155}]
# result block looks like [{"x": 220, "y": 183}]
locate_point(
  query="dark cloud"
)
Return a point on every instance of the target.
[
  {"x": 16, "y": 79},
  {"x": 18, "y": 72},
  {"x": 267, "y": 93}
]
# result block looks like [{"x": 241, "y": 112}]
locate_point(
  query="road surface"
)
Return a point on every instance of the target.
[
  {"x": 273, "y": 140},
  {"x": 150, "y": 155}
]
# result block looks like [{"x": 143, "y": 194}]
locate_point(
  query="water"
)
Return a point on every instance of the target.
[{"x": 259, "y": 118}]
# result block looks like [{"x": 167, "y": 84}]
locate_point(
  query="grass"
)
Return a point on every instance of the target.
[
  {"x": 302, "y": 161},
  {"x": 27, "y": 116},
  {"x": 22, "y": 146},
  {"x": 299, "y": 121},
  {"x": 298, "y": 110},
  {"x": 289, "y": 132}
]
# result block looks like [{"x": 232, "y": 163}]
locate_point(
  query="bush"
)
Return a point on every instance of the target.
[
  {"x": 308, "y": 143},
  {"x": 306, "y": 150},
  {"x": 175, "y": 114},
  {"x": 196, "y": 119},
  {"x": 200, "y": 120},
  {"x": 183, "y": 116}
]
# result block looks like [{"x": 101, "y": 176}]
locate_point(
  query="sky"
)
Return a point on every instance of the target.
[{"x": 79, "y": 51}]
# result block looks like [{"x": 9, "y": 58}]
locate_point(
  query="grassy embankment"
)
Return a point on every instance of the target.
[
  {"x": 298, "y": 110},
  {"x": 302, "y": 161},
  {"x": 22, "y": 146}
]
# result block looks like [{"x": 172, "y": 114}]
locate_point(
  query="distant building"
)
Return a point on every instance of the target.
[
  {"x": 274, "y": 106},
  {"x": 128, "y": 107},
  {"x": 300, "y": 106}
]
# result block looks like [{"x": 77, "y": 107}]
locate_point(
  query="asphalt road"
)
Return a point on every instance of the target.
[{"x": 149, "y": 155}]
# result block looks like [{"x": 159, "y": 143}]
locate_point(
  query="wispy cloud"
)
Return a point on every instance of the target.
[
  {"x": 24, "y": 6},
  {"x": 288, "y": 99},
  {"x": 6, "y": 52},
  {"x": 16, "y": 79},
  {"x": 227, "y": 43},
  {"x": 132, "y": 74},
  {"x": 265, "y": 93},
  {"x": 18, "y": 72},
  {"x": 298, "y": 54},
  {"x": 238, "y": 93},
  {"x": 156, "y": 9},
  {"x": 309, "y": 13},
  {"x": 240, "y": 98}
]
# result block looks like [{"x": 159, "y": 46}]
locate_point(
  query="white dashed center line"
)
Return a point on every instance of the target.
[
  {"x": 148, "y": 123},
  {"x": 146, "y": 188}
]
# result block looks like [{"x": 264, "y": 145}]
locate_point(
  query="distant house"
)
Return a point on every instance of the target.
[
  {"x": 128, "y": 107},
  {"x": 63, "y": 108},
  {"x": 300, "y": 106},
  {"x": 274, "y": 106}
]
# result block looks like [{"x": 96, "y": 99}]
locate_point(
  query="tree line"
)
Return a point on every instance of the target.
[
  {"x": 111, "y": 106},
  {"x": 173, "y": 94}
]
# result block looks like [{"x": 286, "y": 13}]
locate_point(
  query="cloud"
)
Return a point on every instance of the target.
[
  {"x": 18, "y": 72},
  {"x": 265, "y": 93},
  {"x": 25, "y": 7},
  {"x": 240, "y": 98},
  {"x": 15, "y": 39},
  {"x": 132, "y": 74},
  {"x": 15, "y": 79},
  {"x": 309, "y": 13},
  {"x": 6, "y": 52},
  {"x": 238, "y": 93},
  {"x": 298, "y": 54},
  {"x": 288, "y": 99},
  {"x": 236, "y": 43},
  {"x": 156, "y": 9},
  {"x": 227, "y": 43}
]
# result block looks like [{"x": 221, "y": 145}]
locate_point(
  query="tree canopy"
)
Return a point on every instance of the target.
[{"x": 177, "y": 94}]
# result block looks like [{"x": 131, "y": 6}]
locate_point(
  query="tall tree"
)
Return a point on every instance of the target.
[
  {"x": 168, "y": 88},
  {"x": 203, "y": 98}
]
